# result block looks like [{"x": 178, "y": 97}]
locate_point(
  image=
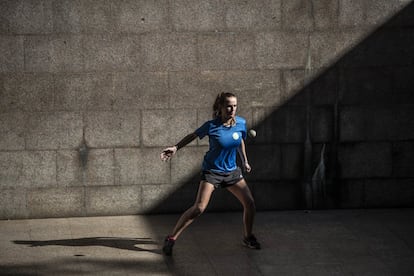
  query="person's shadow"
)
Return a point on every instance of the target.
[{"x": 133, "y": 244}]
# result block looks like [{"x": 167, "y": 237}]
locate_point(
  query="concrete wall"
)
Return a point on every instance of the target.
[{"x": 91, "y": 91}]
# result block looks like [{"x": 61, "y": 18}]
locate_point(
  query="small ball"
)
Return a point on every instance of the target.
[{"x": 252, "y": 133}]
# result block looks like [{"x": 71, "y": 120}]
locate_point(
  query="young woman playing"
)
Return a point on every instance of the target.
[{"x": 219, "y": 170}]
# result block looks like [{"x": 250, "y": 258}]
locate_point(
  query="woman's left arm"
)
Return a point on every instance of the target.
[{"x": 243, "y": 156}]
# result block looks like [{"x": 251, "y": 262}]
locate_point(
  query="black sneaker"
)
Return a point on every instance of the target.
[
  {"x": 251, "y": 242},
  {"x": 168, "y": 246}
]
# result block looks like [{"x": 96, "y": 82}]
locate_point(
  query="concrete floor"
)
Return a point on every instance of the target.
[{"x": 334, "y": 242}]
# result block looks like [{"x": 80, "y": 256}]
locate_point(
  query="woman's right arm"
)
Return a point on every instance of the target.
[{"x": 167, "y": 153}]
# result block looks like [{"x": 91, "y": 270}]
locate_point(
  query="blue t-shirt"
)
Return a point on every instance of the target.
[{"x": 224, "y": 141}]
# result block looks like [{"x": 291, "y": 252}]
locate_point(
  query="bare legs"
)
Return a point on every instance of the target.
[
  {"x": 203, "y": 197},
  {"x": 240, "y": 190},
  {"x": 243, "y": 194}
]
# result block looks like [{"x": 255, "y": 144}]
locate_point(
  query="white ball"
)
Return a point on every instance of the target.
[{"x": 252, "y": 133}]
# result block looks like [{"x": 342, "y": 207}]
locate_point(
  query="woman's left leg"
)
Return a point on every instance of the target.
[{"x": 242, "y": 192}]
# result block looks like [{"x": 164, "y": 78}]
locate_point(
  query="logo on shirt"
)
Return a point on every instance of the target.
[{"x": 236, "y": 136}]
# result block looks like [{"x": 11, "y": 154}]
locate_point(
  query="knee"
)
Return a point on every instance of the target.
[
  {"x": 250, "y": 204},
  {"x": 198, "y": 210}
]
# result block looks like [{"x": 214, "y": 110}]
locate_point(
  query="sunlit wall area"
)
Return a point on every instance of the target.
[{"x": 92, "y": 91}]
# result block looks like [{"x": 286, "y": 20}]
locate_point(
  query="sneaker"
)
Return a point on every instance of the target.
[
  {"x": 251, "y": 242},
  {"x": 168, "y": 245}
]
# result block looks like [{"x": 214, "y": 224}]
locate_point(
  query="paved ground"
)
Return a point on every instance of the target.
[{"x": 336, "y": 242}]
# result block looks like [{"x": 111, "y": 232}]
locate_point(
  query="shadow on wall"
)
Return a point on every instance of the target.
[{"x": 360, "y": 110}]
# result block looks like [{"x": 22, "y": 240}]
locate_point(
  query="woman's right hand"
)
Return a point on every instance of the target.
[{"x": 167, "y": 153}]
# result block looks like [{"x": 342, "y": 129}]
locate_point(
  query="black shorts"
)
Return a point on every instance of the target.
[{"x": 222, "y": 179}]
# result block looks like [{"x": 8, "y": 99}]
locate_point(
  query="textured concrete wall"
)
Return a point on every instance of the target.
[{"x": 91, "y": 91}]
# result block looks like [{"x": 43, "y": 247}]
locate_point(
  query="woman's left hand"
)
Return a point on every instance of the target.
[{"x": 247, "y": 167}]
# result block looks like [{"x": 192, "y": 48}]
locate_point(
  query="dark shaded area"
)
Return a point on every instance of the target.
[
  {"x": 132, "y": 244},
  {"x": 362, "y": 109}
]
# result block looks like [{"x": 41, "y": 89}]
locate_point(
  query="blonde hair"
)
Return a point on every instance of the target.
[{"x": 219, "y": 103}]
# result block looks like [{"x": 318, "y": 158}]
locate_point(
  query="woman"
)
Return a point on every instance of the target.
[{"x": 219, "y": 170}]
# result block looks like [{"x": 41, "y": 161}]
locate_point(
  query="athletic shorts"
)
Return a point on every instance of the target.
[{"x": 222, "y": 179}]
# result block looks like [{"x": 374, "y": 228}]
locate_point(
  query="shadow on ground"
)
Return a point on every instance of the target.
[{"x": 132, "y": 244}]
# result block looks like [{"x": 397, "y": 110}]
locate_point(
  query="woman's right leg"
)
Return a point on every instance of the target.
[{"x": 205, "y": 190}]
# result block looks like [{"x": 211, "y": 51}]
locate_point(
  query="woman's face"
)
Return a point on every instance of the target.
[{"x": 229, "y": 108}]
